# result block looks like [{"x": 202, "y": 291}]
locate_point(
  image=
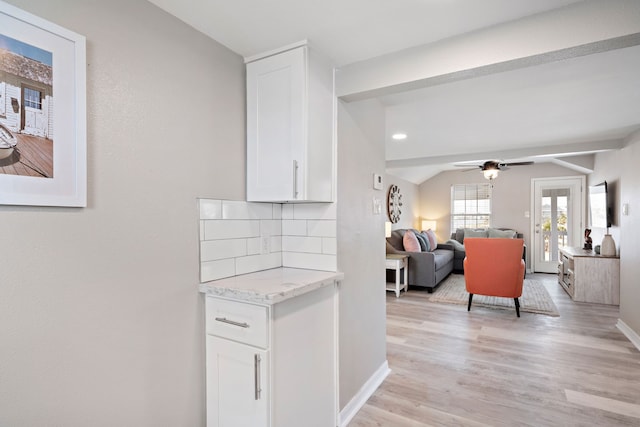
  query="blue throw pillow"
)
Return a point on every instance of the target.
[{"x": 424, "y": 242}]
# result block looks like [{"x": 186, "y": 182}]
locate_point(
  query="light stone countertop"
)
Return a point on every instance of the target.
[{"x": 270, "y": 286}]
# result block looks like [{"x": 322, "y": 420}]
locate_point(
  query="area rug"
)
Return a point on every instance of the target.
[{"x": 534, "y": 299}]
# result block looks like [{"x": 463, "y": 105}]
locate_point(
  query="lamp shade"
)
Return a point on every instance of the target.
[
  {"x": 428, "y": 224},
  {"x": 387, "y": 229}
]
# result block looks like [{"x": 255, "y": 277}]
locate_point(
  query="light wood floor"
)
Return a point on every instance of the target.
[{"x": 487, "y": 367}]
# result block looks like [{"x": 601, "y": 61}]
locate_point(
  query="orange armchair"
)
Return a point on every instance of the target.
[{"x": 494, "y": 267}]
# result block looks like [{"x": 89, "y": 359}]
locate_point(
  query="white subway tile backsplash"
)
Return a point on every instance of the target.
[
  {"x": 277, "y": 211},
  {"x": 241, "y": 237},
  {"x": 210, "y": 209},
  {"x": 287, "y": 211},
  {"x": 329, "y": 245},
  {"x": 219, "y": 249},
  {"x": 310, "y": 261},
  {"x": 249, "y": 264},
  {"x": 321, "y": 228},
  {"x": 231, "y": 229},
  {"x": 292, "y": 227},
  {"x": 302, "y": 244},
  {"x": 276, "y": 243},
  {"x": 244, "y": 210},
  {"x": 315, "y": 211},
  {"x": 253, "y": 245},
  {"x": 214, "y": 270}
]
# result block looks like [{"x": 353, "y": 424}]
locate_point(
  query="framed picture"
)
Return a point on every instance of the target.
[{"x": 43, "y": 142}]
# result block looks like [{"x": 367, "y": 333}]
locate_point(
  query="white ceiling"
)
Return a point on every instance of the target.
[{"x": 503, "y": 115}]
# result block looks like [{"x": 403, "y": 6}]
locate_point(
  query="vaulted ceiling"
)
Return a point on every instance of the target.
[{"x": 550, "y": 80}]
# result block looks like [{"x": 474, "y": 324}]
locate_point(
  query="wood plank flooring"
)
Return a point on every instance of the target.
[
  {"x": 486, "y": 367},
  {"x": 35, "y": 157}
]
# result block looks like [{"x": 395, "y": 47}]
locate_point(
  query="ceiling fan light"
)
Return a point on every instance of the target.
[{"x": 490, "y": 174}]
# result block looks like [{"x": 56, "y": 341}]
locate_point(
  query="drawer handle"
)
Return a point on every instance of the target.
[
  {"x": 256, "y": 366},
  {"x": 231, "y": 322}
]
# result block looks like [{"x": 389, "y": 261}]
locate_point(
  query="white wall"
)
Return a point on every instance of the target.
[
  {"x": 511, "y": 197},
  {"x": 629, "y": 239},
  {"x": 361, "y": 247},
  {"x": 101, "y": 322},
  {"x": 606, "y": 167},
  {"x": 410, "y": 217}
]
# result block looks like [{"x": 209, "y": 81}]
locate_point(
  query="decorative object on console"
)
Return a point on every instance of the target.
[
  {"x": 394, "y": 204},
  {"x": 588, "y": 241},
  {"x": 608, "y": 247}
]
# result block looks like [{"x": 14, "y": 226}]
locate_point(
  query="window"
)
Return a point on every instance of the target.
[
  {"x": 32, "y": 98},
  {"x": 470, "y": 206}
]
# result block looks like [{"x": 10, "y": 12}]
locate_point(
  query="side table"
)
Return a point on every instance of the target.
[{"x": 397, "y": 262}]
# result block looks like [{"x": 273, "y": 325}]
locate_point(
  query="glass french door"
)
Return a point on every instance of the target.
[{"x": 558, "y": 219}]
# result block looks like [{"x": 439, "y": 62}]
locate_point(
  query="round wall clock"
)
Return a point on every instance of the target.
[{"x": 394, "y": 204}]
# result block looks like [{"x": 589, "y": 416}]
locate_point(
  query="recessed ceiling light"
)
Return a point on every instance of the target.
[{"x": 399, "y": 136}]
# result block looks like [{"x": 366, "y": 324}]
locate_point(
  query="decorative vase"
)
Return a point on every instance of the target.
[{"x": 608, "y": 247}]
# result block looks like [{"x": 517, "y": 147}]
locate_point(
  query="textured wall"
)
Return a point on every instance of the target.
[{"x": 101, "y": 323}]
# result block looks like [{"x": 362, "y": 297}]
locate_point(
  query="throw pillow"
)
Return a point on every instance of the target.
[
  {"x": 410, "y": 242},
  {"x": 423, "y": 241},
  {"x": 502, "y": 234},
  {"x": 433, "y": 240},
  {"x": 469, "y": 232},
  {"x": 456, "y": 245}
]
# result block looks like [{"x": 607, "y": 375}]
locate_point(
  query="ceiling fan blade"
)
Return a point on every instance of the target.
[{"x": 517, "y": 164}]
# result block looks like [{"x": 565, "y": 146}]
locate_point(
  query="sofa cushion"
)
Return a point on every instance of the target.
[
  {"x": 442, "y": 258},
  {"x": 502, "y": 234},
  {"x": 423, "y": 241},
  {"x": 431, "y": 236},
  {"x": 470, "y": 232},
  {"x": 410, "y": 242}
]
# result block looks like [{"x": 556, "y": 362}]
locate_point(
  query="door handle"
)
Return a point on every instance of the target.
[
  {"x": 232, "y": 322},
  {"x": 256, "y": 371},
  {"x": 295, "y": 179}
]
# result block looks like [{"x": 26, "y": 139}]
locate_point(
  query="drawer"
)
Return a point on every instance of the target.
[{"x": 238, "y": 321}]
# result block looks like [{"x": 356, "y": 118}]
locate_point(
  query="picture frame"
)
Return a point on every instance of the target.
[{"x": 43, "y": 141}]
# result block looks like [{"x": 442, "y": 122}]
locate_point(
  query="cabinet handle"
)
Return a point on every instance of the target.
[
  {"x": 231, "y": 322},
  {"x": 256, "y": 365},
  {"x": 295, "y": 179}
]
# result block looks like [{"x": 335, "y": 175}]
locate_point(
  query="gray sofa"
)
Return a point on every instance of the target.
[
  {"x": 457, "y": 240},
  {"x": 426, "y": 269}
]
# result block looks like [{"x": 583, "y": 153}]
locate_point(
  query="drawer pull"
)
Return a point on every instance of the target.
[
  {"x": 231, "y": 322},
  {"x": 256, "y": 371}
]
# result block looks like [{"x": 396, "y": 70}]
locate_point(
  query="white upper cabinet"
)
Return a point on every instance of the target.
[{"x": 290, "y": 127}]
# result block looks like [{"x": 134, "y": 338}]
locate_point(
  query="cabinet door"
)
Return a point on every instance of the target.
[
  {"x": 237, "y": 384},
  {"x": 276, "y": 129}
]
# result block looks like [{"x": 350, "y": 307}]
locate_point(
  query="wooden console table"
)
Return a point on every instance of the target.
[{"x": 589, "y": 277}]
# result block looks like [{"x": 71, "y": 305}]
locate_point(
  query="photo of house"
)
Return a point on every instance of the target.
[
  {"x": 236, "y": 262},
  {"x": 26, "y": 107}
]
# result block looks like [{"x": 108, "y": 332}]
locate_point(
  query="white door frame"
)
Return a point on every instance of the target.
[{"x": 578, "y": 218}]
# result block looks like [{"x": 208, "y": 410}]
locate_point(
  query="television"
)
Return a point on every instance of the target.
[{"x": 599, "y": 211}]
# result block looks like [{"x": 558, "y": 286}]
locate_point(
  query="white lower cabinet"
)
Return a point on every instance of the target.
[
  {"x": 237, "y": 384},
  {"x": 273, "y": 365}
]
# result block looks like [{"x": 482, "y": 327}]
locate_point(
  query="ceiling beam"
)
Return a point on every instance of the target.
[
  {"x": 574, "y": 149},
  {"x": 580, "y": 29}
]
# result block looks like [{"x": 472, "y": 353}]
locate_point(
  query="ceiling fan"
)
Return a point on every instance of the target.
[{"x": 490, "y": 168}]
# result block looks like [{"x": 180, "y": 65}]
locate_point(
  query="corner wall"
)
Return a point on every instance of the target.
[
  {"x": 361, "y": 247},
  {"x": 101, "y": 321},
  {"x": 629, "y": 239}
]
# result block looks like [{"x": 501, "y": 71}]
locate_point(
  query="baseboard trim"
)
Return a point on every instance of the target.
[
  {"x": 357, "y": 402},
  {"x": 629, "y": 333}
]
